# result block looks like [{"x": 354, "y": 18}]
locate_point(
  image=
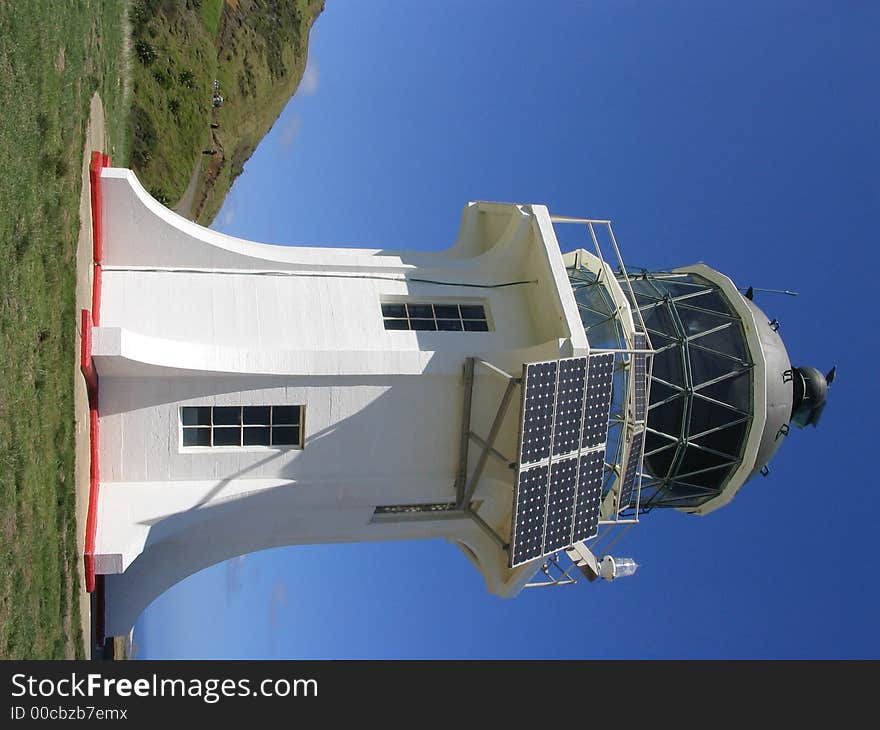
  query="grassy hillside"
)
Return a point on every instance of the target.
[
  {"x": 256, "y": 49},
  {"x": 53, "y": 56}
]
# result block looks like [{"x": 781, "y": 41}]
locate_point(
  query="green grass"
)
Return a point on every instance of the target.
[
  {"x": 173, "y": 69},
  {"x": 210, "y": 11},
  {"x": 256, "y": 49},
  {"x": 52, "y": 57}
]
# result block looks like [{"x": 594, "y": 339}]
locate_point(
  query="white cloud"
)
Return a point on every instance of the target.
[
  {"x": 277, "y": 601},
  {"x": 227, "y": 217},
  {"x": 233, "y": 575},
  {"x": 226, "y": 214},
  {"x": 290, "y": 126},
  {"x": 309, "y": 83}
]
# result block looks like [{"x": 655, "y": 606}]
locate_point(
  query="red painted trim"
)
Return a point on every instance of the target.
[
  {"x": 85, "y": 355},
  {"x": 96, "y": 295},
  {"x": 95, "y": 166},
  {"x": 89, "y": 563},
  {"x": 87, "y": 365},
  {"x": 94, "y": 484}
]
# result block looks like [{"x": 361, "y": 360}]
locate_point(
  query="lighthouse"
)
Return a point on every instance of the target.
[{"x": 519, "y": 403}]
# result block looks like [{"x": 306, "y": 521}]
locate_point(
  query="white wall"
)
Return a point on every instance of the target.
[
  {"x": 292, "y": 313},
  {"x": 194, "y": 317},
  {"x": 394, "y": 441},
  {"x": 379, "y": 426}
]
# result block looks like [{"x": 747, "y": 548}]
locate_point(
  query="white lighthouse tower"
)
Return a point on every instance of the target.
[{"x": 517, "y": 402}]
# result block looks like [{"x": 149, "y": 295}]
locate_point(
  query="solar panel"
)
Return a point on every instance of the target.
[
  {"x": 560, "y": 503},
  {"x": 565, "y": 405},
  {"x": 598, "y": 400},
  {"x": 539, "y": 386},
  {"x": 589, "y": 495},
  {"x": 530, "y": 513},
  {"x": 569, "y": 405},
  {"x": 632, "y": 465},
  {"x": 640, "y": 369}
]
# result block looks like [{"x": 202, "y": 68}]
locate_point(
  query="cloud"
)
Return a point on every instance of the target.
[
  {"x": 233, "y": 575},
  {"x": 228, "y": 217},
  {"x": 290, "y": 126},
  {"x": 309, "y": 83},
  {"x": 227, "y": 213},
  {"x": 277, "y": 601}
]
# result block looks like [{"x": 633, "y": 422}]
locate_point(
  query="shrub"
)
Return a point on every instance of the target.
[
  {"x": 144, "y": 51},
  {"x": 162, "y": 78},
  {"x": 143, "y": 137},
  {"x": 159, "y": 195}
]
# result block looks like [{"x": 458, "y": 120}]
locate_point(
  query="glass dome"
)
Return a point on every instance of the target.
[{"x": 700, "y": 407}]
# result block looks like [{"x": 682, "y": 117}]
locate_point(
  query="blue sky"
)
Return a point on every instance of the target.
[{"x": 742, "y": 134}]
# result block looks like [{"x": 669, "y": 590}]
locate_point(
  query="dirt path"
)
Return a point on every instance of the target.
[
  {"x": 95, "y": 140},
  {"x": 184, "y": 206}
]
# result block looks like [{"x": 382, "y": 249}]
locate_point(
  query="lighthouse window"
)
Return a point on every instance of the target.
[
  {"x": 213, "y": 426},
  {"x": 424, "y": 317}
]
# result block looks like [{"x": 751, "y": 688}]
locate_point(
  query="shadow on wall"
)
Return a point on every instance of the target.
[{"x": 307, "y": 508}]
